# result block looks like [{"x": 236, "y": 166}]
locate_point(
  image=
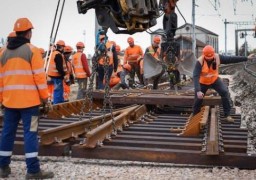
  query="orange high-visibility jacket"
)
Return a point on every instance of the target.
[
  {"x": 154, "y": 53},
  {"x": 52, "y": 71},
  {"x": 78, "y": 66},
  {"x": 22, "y": 77},
  {"x": 209, "y": 75},
  {"x": 109, "y": 53},
  {"x": 132, "y": 54}
]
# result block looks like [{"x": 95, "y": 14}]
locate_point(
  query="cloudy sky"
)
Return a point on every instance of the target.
[{"x": 76, "y": 27}]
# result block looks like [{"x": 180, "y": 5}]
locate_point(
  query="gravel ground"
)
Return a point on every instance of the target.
[{"x": 76, "y": 169}]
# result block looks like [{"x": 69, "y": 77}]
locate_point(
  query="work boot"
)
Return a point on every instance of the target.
[
  {"x": 40, "y": 175},
  {"x": 5, "y": 171},
  {"x": 230, "y": 119}
]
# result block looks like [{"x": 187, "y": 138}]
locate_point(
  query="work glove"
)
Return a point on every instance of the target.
[
  {"x": 200, "y": 95},
  {"x": 47, "y": 106},
  {"x": 251, "y": 57}
]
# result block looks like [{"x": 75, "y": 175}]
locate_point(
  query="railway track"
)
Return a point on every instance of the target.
[{"x": 136, "y": 133}]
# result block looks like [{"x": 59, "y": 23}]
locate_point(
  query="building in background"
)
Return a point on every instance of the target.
[{"x": 184, "y": 36}]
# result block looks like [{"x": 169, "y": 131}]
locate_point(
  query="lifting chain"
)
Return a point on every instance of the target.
[{"x": 107, "y": 98}]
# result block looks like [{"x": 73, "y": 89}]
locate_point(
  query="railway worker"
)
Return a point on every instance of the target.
[
  {"x": 110, "y": 63},
  {"x": 66, "y": 85},
  {"x": 133, "y": 54},
  {"x": 81, "y": 69},
  {"x": 121, "y": 78},
  {"x": 206, "y": 76},
  {"x": 154, "y": 50},
  {"x": 58, "y": 72},
  {"x": 22, "y": 89}
]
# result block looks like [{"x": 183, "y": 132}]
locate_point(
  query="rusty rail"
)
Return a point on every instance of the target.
[
  {"x": 97, "y": 135},
  {"x": 213, "y": 140}
]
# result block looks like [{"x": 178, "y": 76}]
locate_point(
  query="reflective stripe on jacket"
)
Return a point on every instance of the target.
[
  {"x": 154, "y": 53},
  {"x": 78, "y": 66},
  {"x": 109, "y": 54},
  {"x": 209, "y": 75},
  {"x": 22, "y": 77},
  {"x": 52, "y": 70}
]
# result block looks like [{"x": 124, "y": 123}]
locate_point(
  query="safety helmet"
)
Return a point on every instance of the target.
[
  {"x": 118, "y": 48},
  {"x": 68, "y": 49},
  {"x": 208, "y": 52},
  {"x": 42, "y": 51},
  {"x": 130, "y": 40},
  {"x": 12, "y": 34},
  {"x": 127, "y": 67},
  {"x": 60, "y": 43},
  {"x": 80, "y": 44},
  {"x": 22, "y": 24},
  {"x": 156, "y": 39}
]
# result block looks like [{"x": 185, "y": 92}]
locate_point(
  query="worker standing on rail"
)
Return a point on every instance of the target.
[
  {"x": 133, "y": 54},
  {"x": 154, "y": 50},
  {"x": 22, "y": 89},
  {"x": 82, "y": 70},
  {"x": 58, "y": 72},
  {"x": 206, "y": 75},
  {"x": 108, "y": 60}
]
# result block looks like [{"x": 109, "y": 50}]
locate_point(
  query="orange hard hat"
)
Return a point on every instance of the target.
[
  {"x": 130, "y": 39},
  {"x": 12, "y": 34},
  {"x": 22, "y": 24},
  {"x": 42, "y": 51},
  {"x": 118, "y": 48},
  {"x": 157, "y": 39},
  {"x": 208, "y": 52},
  {"x": 60, "y": 43},
  {"x": 80, "y": 44},
  {"x": 128, "y": 67},
  {"x": 68, "y": 49}
]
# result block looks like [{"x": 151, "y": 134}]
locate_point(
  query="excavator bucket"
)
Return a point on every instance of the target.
[
  {"x": 152, "y": 67},
  {"x": 187, "y": 63}
]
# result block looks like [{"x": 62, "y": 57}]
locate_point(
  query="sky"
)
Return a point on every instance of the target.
[{"x": 76, "y": 27}]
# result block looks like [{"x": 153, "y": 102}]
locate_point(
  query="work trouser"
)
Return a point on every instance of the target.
[
  {"x": 58, "y": 90},
  {"x": 82, "y": 86},
  {"x": 222, "y": 90},
  {"x": 66, "y": 91},
  {"x": 30, "y": 118},
  {"x": 101, "y": 74},
  {"x": 135, "y": 69}
]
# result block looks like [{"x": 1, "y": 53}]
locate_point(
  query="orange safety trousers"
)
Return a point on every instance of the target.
[
  {"x": 66, "y": 91},
  {"x": 50, "y": 91}
]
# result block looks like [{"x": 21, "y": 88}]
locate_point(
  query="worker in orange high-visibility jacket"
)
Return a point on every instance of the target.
[
  {"x": 206, "y": 75},
  {"x": 133, "y": 54},
  {"x": 81, "y": 69},
  {"x": 58, "y": 71},
  {"x": 121, "y": 78},
  {"x": 111, "y": 62},
  {"x": 22, "y": 89},
  {"x": 66, "y": 84},
  {"x": 154, "y": 50}
]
